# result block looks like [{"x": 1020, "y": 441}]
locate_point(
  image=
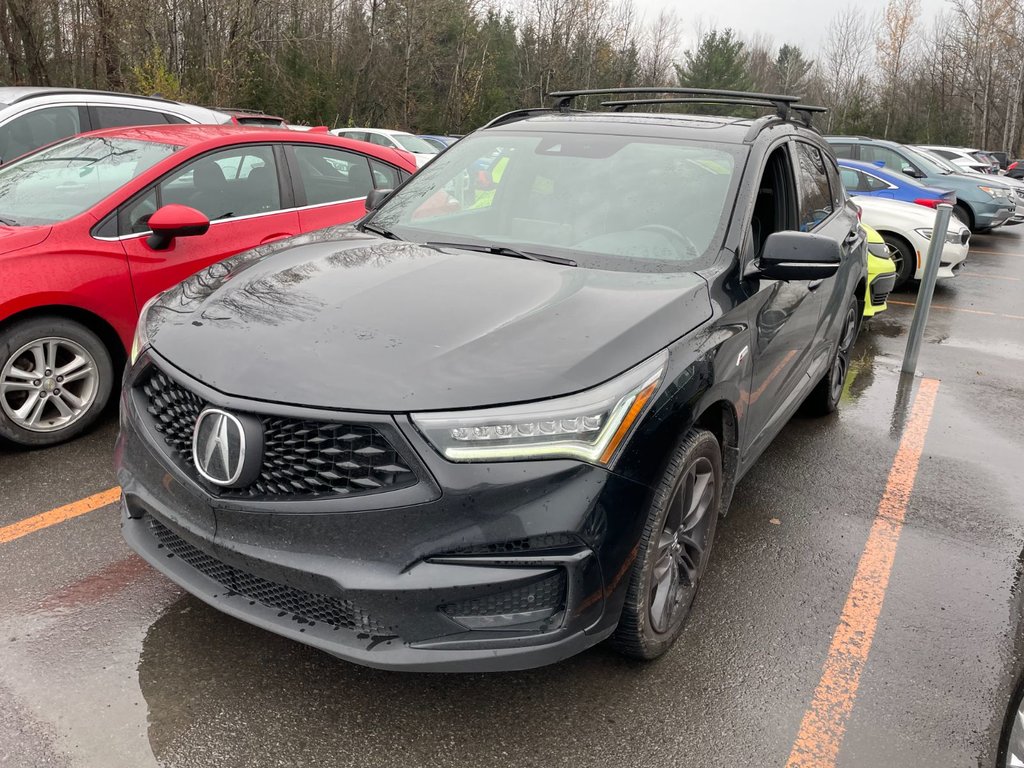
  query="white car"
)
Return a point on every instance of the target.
[
  {"x": 31, "y": 117},
  {"x": 421, "y": 150},
  {"x": 961, "y": 158},
  {"x": 907, "y": 230}
]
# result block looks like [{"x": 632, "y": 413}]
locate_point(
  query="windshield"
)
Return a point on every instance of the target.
[
  {"x": 415, "y": 144},
  {"x": 64, "y": 180},
  {"x": 932, "y": 165},
  {"x": 625, "y": 202}
]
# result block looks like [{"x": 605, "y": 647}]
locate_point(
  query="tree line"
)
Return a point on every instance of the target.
[{"x": 447, "y": 66}]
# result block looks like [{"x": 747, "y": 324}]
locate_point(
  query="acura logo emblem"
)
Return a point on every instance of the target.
[{"x": 227, "y": 449}]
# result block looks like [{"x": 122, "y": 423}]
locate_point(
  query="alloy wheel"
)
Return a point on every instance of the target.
[
  {"x": 48, "y": 384},
  {"x": 683, "y": 545},
  {"x": 842, "y": 361}
]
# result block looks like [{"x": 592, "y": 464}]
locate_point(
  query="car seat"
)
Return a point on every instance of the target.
[{"x": 209, "y": 187}]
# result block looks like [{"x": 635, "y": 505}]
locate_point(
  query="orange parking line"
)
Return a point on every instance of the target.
[
  {"x": 824, "y": 724},
  {"x": 59, "y": 515}
]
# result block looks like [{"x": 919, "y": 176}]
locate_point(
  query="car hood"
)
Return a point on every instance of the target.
[
  {"x": 343, "y": 319},
  {"x": 15, "y": 238}
]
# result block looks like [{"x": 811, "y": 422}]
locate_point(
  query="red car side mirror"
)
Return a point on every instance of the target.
[{"x": 173, "y": 221}]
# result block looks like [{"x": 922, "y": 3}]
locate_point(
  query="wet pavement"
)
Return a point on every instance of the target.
[{"x": 106, "y": 663}]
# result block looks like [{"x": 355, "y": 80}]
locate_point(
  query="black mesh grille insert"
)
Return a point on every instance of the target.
[
  {"x": 305, "y": 607},
  {"x": 301, "y": 457},
  {"x": 545, "y": 593}
]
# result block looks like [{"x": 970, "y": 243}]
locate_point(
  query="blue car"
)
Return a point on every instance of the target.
[
  {"x": 441, "y": 142},
  {"x": 873, "y": 179}
]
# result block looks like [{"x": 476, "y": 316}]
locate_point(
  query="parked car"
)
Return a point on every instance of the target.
[
  {"x": 982, "y": 204},
  {"x": 963, "y": 159},
  {"x": 1002, "y": 158},
  {"x": 94, "y": 226},
  {"x": 421, "y": 150},
  {"x": 493, "y": 436},
  {"x": 32, "y": 117},
  {"x": 907, "y": 230},
  {"x": 441, "y": 142},
  {"x": 253, "y": 117},
  {"x": 1015, "y": 186},
  {"x": 881, "y": 273},
  {"x": 878, "y": 181}
]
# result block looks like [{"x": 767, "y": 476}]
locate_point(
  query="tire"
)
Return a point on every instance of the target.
[
  {"x": 905, "y": 258},
  {"x": 666, "y": 573},
  {"x": 824, "y": 398},
  {"x": 963, "y": 213},
  {"x": 38, "y": 409}
]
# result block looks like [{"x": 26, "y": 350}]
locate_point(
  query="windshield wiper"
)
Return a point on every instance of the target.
[
  {"x": 504, "y": 250},
  {"x": 382, "y": 232},
  {"x": 8, "y": 222}
]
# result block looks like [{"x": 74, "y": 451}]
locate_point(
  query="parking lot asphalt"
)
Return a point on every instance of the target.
[{"x": 106, "y": 663}]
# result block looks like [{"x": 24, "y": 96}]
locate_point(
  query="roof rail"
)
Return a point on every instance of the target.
[
  {"x": 781, "y": 102},
  {"x": 515, "y": 115},
  {"x": 78, "y": 91}
]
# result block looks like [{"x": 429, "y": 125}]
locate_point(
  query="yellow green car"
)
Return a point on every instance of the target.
[{"x": 881, "y": 274}]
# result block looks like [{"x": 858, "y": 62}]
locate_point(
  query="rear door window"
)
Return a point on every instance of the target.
[
  {"x": 815, "y": 195},
  {"x": 330, "y": 175},
  {"x": 386, "y": 176},
  {"x": 116, "y": 117}
]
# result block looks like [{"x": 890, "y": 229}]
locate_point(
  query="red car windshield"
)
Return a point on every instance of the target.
[{"x": 62, "y": 181}]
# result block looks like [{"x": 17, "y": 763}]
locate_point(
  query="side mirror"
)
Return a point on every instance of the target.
[
  {"x": 913, "y": 173},
  {"x": 799, "y": 256},
  {"x": 376, "y": 198},
  {"x": 173, "y": 221}
]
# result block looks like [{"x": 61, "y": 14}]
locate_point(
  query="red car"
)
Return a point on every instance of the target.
[{"x": 94, "y": 226}]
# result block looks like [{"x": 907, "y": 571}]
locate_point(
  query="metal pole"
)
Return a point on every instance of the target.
[{"x": 927, "y": 288}]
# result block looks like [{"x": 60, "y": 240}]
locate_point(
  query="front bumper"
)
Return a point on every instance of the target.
[
  {"x": 988, "y": 215},
  {"x": 485, "y": 567}
]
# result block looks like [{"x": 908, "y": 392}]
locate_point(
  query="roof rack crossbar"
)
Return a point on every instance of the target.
[
  {"x": 619, "y": 106},
  {"x": 781, "y": 102}
]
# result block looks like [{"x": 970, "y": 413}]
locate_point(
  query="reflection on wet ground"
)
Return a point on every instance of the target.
[{"x": 105, "y": 663}]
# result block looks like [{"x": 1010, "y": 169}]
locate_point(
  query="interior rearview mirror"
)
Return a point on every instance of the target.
[
  {"x": 376, "y": 198},
  {"x": 173, "y": 221},
  {"x": 799, "y": 256}
]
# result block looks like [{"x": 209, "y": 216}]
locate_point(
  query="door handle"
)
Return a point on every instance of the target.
[
  {"x": 813, "y": 285},
  {"x": 276, "y": 236}
]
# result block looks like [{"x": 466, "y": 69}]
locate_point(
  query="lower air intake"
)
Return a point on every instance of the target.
[{"x": 306, "y": 607}]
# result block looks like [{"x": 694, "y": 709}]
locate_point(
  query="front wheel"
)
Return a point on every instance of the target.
[
  {"x": 824, "y": 398},
  {"x": 674, "y": 548},
  {"x": 55, "y": 378}
]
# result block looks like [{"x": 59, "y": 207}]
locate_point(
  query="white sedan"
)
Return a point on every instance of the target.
[
  {"x": 907, "y": 230},
  {"x": 421, "y": 150}
]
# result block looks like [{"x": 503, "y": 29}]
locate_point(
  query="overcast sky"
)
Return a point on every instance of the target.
[{"x": 802, "y": 22}]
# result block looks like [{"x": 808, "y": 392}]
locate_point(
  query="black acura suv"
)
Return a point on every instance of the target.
[{"x": 496, "y": 421}]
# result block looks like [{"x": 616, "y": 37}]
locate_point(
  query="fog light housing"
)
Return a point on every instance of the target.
[{"x": 534, "y": 605}]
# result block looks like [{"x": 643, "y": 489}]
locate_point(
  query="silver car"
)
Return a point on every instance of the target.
[{"x": 34, "y": 117}]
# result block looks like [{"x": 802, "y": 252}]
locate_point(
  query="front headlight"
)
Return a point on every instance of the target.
[
  {"x": 995, "y": 191},
  {"x": 141, "y": 338},
  {"x": 589, "y": 426},
  {"x": 881, "y": 250},
  {"x": 952, "y": 237}
]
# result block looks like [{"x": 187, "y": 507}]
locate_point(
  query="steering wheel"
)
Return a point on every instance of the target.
[{"x": 688, "y": 247}]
